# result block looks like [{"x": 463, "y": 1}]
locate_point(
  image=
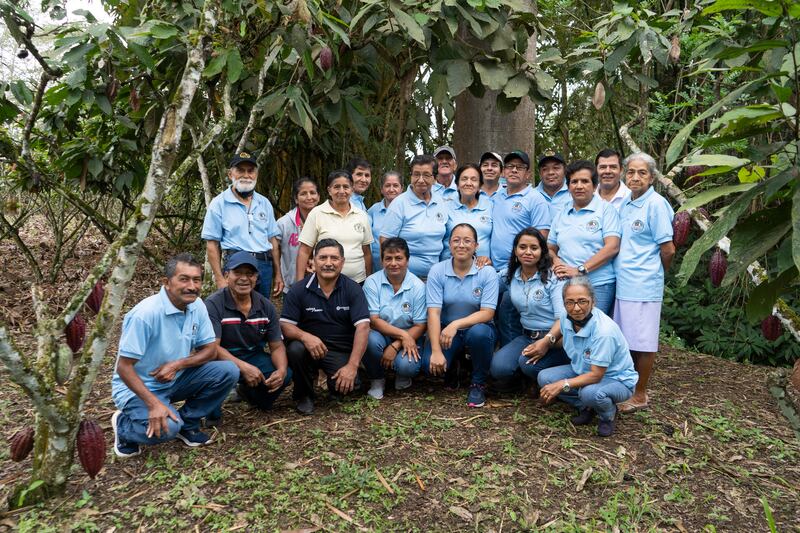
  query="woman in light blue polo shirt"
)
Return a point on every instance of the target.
[
  {"x": 600, "y": 373},
  {"x": 645, "y": 253},
  {"x": 584, "y": 238},
  {"x": 398, "y": 316},
  {"x": 419, "y": 216},
  {"x": 535, "y": 292},
  {"x": 461, "y": 301},
  {"x": 391, "y": 187},
  {"x": 474, "y": 208}
]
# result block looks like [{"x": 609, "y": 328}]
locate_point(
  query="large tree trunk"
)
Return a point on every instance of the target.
[{"x": 479, "y": 127}]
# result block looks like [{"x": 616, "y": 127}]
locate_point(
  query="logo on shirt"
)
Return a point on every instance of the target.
[
  {"x": 637, "y": 226},
  {"x": 592, "y": 226},
  {"x": 484, "y": 219},
  {"x": 440, "y": 217},
  {"x": 194, "y": 330},
  {"x": 406, "y": 307},
  {"x": 313, "y": 310},
  {"x": 342, "y": 307},
  {"x": 477, "y": 292},
  {"x": 538, "y": 295},
  {"x": 359, "y": 227},
  {"x": 262, "y": 215},
  {"x": 294, "y": 240},
  {"x": 517, "y": 207},
  {"x": 587, "y": 353}
]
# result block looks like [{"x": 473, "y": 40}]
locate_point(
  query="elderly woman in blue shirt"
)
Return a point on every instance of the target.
[
  {"x": 391, "y": 188},
  {"x": 584, "y": 237},
  {"x": 419, "y": 216},
  {"x": 398, "y": 316},
  {"x": 461, "y": 301},
  {"x": 645, "y": 253},
  {"x": 600, "y": 373},
  {"x": 535, "y": 293},
  {"x": 474, "y": 208}
]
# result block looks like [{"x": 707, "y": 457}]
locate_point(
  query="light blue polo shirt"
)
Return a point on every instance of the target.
[
  {"x": 479, "y": 217},
  {"x": 448, "y": 194},
  {"x": 358, "y": 201},
  {"x": 581, "y": 234},
  {"x": 539, "y": 304},
  {"x": 156, "y": 332},
  {"x": 646, "y": 224},
  {"x": 512, "y": 213},
  {"x": 599, "y": 343},
  {"x": 229, "y": 222},
  {"x": 376, "y": 215},
  {"x": 458, "y": 297},
  {"x": 421, "y": 224},
  {"x": 559, "y": 201},
  {"x": 401, "y": 309}
]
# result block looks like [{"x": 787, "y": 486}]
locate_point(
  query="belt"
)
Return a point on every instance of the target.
[
  {"x": 534, "y": 333},
  {"x": 261, "y": 256}
]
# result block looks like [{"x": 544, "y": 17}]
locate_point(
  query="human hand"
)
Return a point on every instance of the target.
[
  {"x": 389, "y": 355},
  {"x": 315, "y": 346},
  {"x": 482, "y": 261},
  {"x": 536, "y": 350},
  {"x": 275, "y": 380},
  {"x": 563, "y": 271},
  {"x": 251, "y": 375},
  {"x": 550, "y": 392},
  {"x": 157, "y": 420},
  {"x": 438, "y": 363},
  {"x": 409, "y": 346},
  {"x": 278, "y": 285},
  {"x": 165, "y": 372},
  {"x": 345, "y": 378},
  {"x": 447, "y": 334}
]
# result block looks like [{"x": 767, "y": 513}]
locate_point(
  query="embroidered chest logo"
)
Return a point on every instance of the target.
[
  {"x": 477, "y": 292},
  {"x": 637, "y": 226},
  {"x": 342, "y": 307},
  {"x": 517, "y": 207},
  {"x": 538, "y": 295},
  {"x": 406, "y": 307},
  {"x": 261, "y": 215},
  {"x": 440, "y": 217},
  {"x": 592, "y": 226},
  {"x": 194, "y": 330},
  {"x": 484, "y": 219},
  {"x": 587, "y": 353},
  {"x": 359, "y": 227}
]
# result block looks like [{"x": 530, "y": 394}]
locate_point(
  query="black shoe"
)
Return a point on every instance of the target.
[
  {"x": 605, "y": 428},
  {"x": 584, "y": 417},
  {"x": 305, "y": 406}
]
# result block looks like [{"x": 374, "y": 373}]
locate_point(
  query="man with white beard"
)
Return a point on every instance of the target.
[{"x": 240, "y": 219}]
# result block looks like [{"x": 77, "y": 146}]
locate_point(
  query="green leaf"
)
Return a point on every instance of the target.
[
  {"x": 716, "y": 160},
  {"x": 492, "y": 75},
  {"x": 216, "y": 65},
  {"x": 459, "y": 76},
  {"x": 408, "y": 23},
  {"x": 162, "y": 30},
  {"x": 760, "y": 46},
  {"x": 707, "y": 196},
  {"x": 796, "y": 226},
  {"x": 102, "y": 102},
  {"x": 235, "y": 65},
  {"x": 7, "y": 110},
  {"x": 767, "y": 7},
  {"x": 357, "y": 119},
  {"x": 95, "y": 166},
  {"x": 751, "y": 176},
  {"x": 144, "y": 56},
  {"x": 753, "y": 237},
  {"x": 21, "y": 93},
  {"x": 619, "y": 53},
  {"x": 764, "y": 296},
  {"x": 517, "y": 87},
  {"x": 544, "y": 83},
  {"x": 678, "y": 142},
  {"x": 77, "y": 55}
]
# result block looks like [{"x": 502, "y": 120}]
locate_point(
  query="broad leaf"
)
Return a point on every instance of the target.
[
  {"x": 492, "y": 75},
  {"x": 216, "y": 65},
  {"x": 712, "y": 194},
  {"x": 796, "y": 227},
  {"x": 770, "y": 8},
  {"x": 763, "y": 297},
  {"x": 754, "y": 237},
  {"x": 517, "y": 87},
  {"x": 408, "y": 23},
  {"x": 716, "y": 160},
  {"x": 459, "y": 77}
]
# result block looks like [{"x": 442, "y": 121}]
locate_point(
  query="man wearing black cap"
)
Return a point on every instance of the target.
[
  {"x": 446, "y": 165},
  {"x": 492, "y": 170},
  {"x": 240, "y": 219},
  {"x": 244, "y": 323},
  {"x": 552, "y": 185}
]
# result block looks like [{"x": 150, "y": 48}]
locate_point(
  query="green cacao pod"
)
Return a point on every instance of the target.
[
  {"x": 91, "y": 444},
  {"x": 21, "y": 444}
]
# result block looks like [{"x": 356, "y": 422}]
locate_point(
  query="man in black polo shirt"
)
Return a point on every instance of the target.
[
  {"x": 244, "y": 321},
  {"x": 325, "y": 305}
]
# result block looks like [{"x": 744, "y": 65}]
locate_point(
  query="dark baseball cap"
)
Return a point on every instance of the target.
[
  {"x": 517, "y": 154},
  {"x": 241, "y": 258},
  {"x": 243, "y": 157},
  {"x": 491, "y": 155},
  {"x": 550, "y": 155}
]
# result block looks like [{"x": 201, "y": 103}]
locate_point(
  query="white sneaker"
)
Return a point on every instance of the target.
[
  {"x": 376, "y": 388},
  {"x": 402, "y": 382}
]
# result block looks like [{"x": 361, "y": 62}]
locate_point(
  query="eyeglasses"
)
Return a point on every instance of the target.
[
  {"x": 517, "y": 167},
  {"x": 583, "y": 302},
  {"x": 465, "y": 242},
  {"x": 426, "y": 175}
]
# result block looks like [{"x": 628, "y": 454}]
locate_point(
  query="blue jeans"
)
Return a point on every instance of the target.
[
  {"x": 604, "y": 297},
  {"x": 258, "y": 396},
  {"x": 601, "y": 397},
  {"x": 203, "y": 387},
  {"x": 509, "y": 325},
  {"x": 376, "y": 344},
  {"x": 478, "y": 340},
  {"x": 265, "y": 271},
  {"x": 509, "y": 359}
]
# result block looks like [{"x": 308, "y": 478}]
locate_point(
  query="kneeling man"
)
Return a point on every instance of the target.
[
  {"x": 244, "y": 322},
  {"x": 166, "y": 354},
  {"x": 325, "y": 305}
]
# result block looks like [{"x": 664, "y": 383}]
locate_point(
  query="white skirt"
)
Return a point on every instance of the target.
[{"x": 639, "y": 322}]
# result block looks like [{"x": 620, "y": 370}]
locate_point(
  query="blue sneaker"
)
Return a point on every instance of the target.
[
  {"x": 121, "y": 448},
  {"x": 477, "y": 395},
  {"x": 194, "y": 437}
]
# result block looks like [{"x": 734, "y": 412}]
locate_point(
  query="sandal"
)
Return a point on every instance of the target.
[{"x": 631, "y": 407}]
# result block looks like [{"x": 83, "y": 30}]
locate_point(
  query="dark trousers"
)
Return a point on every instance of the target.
[{"x": 305, "y": 368}]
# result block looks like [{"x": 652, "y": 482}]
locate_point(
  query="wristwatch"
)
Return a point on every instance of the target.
[
  {"x": 551, "y": 338},
  {"x": 566, "y": 387},
  {"x": 582, "y": 270}
]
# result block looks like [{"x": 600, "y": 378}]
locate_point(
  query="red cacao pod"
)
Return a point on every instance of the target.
[
  {"x": 718, "y": 267},
  {"x": 91, "y": 447},
  {"x": 694, "y": 170},
  {"x": 21, "y": 444},
  {"x": 76, "y": 333},
  {"x": 771, "y": 328},
  {"x": 681, "y": 225},
  {"x": 95, "y": 298},
  {"x": 325, "y": 58},
  {"x": 704, "y": 212}
]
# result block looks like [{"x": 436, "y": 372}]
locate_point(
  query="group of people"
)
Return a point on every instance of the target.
[{"x": 558, "y": 285}]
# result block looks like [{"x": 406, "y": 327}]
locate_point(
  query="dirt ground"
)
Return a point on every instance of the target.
[{"x": 713, "y": 453}]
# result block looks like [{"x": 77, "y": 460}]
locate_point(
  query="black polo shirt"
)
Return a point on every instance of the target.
[
  {"x": 331, "y": 319},
  {"x": 239, "y": 333}
]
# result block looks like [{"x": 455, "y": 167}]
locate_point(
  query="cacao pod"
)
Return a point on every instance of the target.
[
  {"x": 771, "y": 328},
  {"x": 95, "y": 298},
  {"x": 21, "y": 444},
  {"x": 91, "y": 444},
  {"x": 63, "y": 364},
  {"x": 705, "y": 212},
  {"x": 325, "y": 58},
  {"x": 681, "y": 225},
  {"x": 76, "y": 333},
  {"x": 134, "y": 99},
  {"x": 718, "y": 267}
]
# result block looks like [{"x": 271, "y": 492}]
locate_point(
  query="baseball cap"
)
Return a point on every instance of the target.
[
  {"x": 241, "y": 258},
  {"x": 550, "y": 155},
  {"x": 242, "y": 157},
  {"x": 447, "y": 149},
  {"x": 517, "y": 154},
  {"x": 491, "y": 155}
]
